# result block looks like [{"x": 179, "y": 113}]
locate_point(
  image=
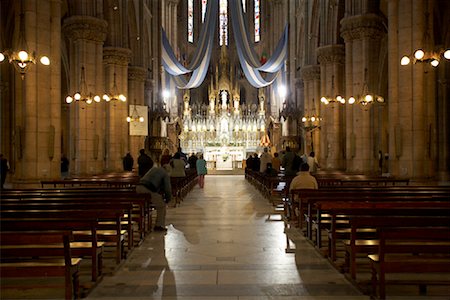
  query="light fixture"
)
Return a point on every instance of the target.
[
  {"x": 21, "y": 58},
  {"x": 311, "y": 121},
  {"x": 427, "y": 53},
  {"x": 134, "y": 117},
  {"x": 82, "y": 94},
  {"x": 366, "y": 97},
  {"x": 114, "y": 95},
  {"x": 335, "y": 98}
]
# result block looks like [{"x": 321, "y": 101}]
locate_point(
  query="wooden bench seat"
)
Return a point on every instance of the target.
[
  {"x": 409, "y": 250},
  {"x": 80, "y": 214},
  {"x": 26, "y": 264},
  {"x": 358, "y": 244}
]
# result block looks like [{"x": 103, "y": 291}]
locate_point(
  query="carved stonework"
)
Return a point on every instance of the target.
[
  {"x": 137, "y": 73},
  {"x": 310, "y": 72},
  {"x": 367, "y": 26},
  {"x": 331, "y": 54},
  {"x": 85, "y": 27},
  {"x": 116, "y": 56}
]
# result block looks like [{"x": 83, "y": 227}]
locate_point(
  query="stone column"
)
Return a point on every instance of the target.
[
  {"x": 332, "y": 59},
  {"x": 412, "y": 100},
  {"x": 36, "y": 107},
  {"x": 136, "y": 90},
  {"x": 311, "y": 87},
  {"x": 362, "y": 35},
  {"x": 86, "y": 35},
  {"x": 116, "y": 61}
]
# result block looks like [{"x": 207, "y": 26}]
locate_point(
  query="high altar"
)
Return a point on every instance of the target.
[{"x": 226, "y": 130}]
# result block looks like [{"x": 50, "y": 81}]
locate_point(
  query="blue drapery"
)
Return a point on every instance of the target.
[{"x": 247, "y": 56}]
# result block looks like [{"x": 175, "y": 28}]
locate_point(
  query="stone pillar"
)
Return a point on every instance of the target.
[
  {"x": 136, "y": 94},
  {"x": 362, "y": 35},
  {"x": 36, "y": 108},
  {"x": 332, "y": 59},
  {"x": 311, "y": 87},
  {"x": 412, "y": 100},
  {"x": 86, "y": 37},
  {"x": 116, "y": 61}
]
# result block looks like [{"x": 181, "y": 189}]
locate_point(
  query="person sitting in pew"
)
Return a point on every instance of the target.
[
  {"x": 156, "y": 182},
  {"x": 304, "y": 180}
]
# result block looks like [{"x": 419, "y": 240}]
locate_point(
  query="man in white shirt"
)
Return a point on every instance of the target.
[
  {"x": 265, "y": 159},
  {"x": 304, "y": 180}
]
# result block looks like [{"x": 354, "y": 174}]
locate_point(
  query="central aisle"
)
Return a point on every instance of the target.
[{"x": 221, "y": 245}]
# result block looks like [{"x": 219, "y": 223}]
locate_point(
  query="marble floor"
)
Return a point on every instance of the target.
[{"x": 221, "y": 245}]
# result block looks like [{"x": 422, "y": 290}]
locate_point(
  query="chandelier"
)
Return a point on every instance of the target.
[
  {"x": 21, "y": 58},
  {"x": 83, "y": 94},
  {"x": 114, "y": 94},
  {"x": 335, "y": 98},
  {"x": 428, "y": 53},
  {"x": 134, "y": 117},
  {"x": 311, "y": 121},
  {"x": 366, "y": 97}
]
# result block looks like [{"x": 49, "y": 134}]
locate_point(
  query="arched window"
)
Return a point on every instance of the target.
[
  {"x": 257, "y": 21},
  {"x": 204, "y": 2},
  {"x": 223, "y": 22},
  {"x": 190, "y": 10}
]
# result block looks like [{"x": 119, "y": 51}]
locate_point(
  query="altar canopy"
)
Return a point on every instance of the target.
[{"x": 248, "y": 58}]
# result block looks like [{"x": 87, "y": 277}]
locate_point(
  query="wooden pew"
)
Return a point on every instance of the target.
[
  {"x": 357, "y": 243},
  {"x": 410, "y": 250},
  {"x": 25, "y": 254},
  {"x": 140, "y": 214},
  {"x": 330, "y": 213},
  {"x": 93, "y": 248},
  {"x": 113, "y": 237},
  {"x": 300, "y": 198}
]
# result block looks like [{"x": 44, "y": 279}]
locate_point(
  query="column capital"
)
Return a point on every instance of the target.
[
  {"x": 310, "y": 72},
  {"x": 137, "y": 73},
  {"x": 85, "y": 27},
  {"x": 331, "y": 54},
  {"x": 173, "y": 2},
  {"x": 116, "y": 56},
  {"x": 365, "y": 26}
]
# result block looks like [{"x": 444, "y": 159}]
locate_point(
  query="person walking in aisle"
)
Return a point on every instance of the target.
[{"x": 201, "y": 171}]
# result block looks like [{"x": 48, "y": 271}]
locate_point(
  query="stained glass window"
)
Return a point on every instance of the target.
[
  {"x": 190, "y": 21},
  {"x": 223, "y": 22},
  {"x": 204, "y": 10},
  {"x": 257, "y": 21}
]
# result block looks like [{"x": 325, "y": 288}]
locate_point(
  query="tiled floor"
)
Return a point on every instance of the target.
[{"x": 220, "y": 245}]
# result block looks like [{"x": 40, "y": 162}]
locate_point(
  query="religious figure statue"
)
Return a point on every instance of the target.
[
  {"x": 224, "y": 100},
  {"x": 212, "y": 105},
  {"x": 236, "y": 105}
]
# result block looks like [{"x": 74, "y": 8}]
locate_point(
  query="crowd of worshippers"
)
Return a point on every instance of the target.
[
  {"x": 287, "y": 161},
  {"x": 176, "y": 165}
]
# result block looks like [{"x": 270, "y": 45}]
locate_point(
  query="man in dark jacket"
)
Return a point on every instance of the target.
[
  {"x": 145, "y": 163},
  {"x": 156, "y": 182}
]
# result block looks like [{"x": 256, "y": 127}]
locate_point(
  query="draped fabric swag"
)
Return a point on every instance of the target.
[{"x": 248, "y": 58}]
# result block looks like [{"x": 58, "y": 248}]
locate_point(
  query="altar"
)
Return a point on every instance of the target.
[
  {"x": 225, "y": 128},
  {"x": 225, "y": 158}
]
